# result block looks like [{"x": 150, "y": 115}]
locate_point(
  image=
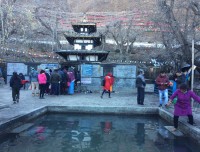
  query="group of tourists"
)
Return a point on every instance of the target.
[
  {"x": 181, "y": 98},
  {"x": 51, "y": 82},
  {"x": 45, "y": 81}
]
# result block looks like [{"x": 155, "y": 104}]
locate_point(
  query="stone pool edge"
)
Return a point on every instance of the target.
[
  {"x": 14, "y": 122},
  {"x": 187, "y": 129}
]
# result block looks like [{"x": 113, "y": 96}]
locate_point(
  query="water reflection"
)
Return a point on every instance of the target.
[
  {"x": 106, "y": 126},
  {"x": 181, "y": 146},
  {"x": 85, "y": 133},
  {"x": 140, "y": 133},
  {"x": 40, "y": 132}
]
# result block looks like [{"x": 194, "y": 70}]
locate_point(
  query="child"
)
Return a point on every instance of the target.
[{"x": 183, "y": 104}]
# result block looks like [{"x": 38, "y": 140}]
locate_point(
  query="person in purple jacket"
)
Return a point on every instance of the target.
[{"x": 183, "y": 105}]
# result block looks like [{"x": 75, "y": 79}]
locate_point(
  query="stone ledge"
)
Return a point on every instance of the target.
[{"x": 187, "y": 129}]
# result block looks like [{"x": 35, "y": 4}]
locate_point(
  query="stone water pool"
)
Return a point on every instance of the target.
[{"x": 95, "y": 133}]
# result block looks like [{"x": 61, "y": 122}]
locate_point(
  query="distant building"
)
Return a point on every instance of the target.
[{"x": 84, "y": 38}]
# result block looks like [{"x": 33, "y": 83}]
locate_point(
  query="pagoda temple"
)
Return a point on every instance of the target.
[{"x": 84, "y": 39}]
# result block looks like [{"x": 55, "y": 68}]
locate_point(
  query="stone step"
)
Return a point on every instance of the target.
[
  {"x": 22, "y": 128},
  {"x": 176, "y": 132},
  {"x": 2, "y": 106}
]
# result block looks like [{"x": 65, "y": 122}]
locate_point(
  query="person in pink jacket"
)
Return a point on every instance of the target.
[
  {"x": 42, "y": 80},
  {"x": 183, "y": 105}
]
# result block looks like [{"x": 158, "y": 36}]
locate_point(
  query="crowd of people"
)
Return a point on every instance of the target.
[
  {"x": 44, "y": 81},
  {"x": 54, "y": 82}
]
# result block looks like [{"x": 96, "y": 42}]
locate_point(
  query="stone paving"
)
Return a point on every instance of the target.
[{"x": 27, "y": 104}]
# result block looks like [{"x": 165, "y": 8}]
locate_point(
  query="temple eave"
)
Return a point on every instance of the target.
[{"x": 80, "y": 54}]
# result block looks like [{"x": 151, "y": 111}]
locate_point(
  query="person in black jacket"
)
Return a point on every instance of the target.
[
  {"x": 55, "y": 83},
  {"x": 47, "y": 73},
  {"x": 140, "y": 84},
  {"x": 15, "y": 84}
]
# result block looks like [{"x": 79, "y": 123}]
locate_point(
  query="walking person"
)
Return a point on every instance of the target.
[
  {"x": 183, "y": 105},
  {"x": 140, "y": 84},
  {"x": 163, "y": 82},
  {"x": 108, "y": 83},
  {"x": 15, "y": 84},
  {"x": 112, "y": 82},
  {"x": 42, "y": 79},
  {"x": 34, "y": 82}
]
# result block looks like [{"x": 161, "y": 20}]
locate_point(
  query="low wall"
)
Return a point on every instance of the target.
[{"x": 124, "y": 75}]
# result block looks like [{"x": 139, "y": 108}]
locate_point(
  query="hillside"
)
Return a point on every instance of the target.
[
  {"x": 102, "y": 12},
  {"x": 62, "y": 13}
]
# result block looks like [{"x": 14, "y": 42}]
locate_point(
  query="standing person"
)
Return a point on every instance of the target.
[
  {"x": 63, "y": 81},
  {"x": 179, "y": 78},
  {"x": 15, "y": 84},
  {"x": 34, "y": 82},
  {"x": 184, "y": 75},
  {"x": 183, "y": 104},
  {"x": 71, "y": 79},
  {"x": 42, "y": 79},
  {"x": 47, "y": 73},
  {"x": 55, "y": 81},
  {"x": 108, "y": 83},
  {"x": 163, "y": 82},
  {"x": 22, "y": 77},
  {"x": 66, "y": 80},
  {"x": 140, "y": 84}
]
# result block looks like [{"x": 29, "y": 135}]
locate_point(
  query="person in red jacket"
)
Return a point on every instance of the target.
[
  {"x": 108, "y": 83},
  {"x": 163, "y": 82}
]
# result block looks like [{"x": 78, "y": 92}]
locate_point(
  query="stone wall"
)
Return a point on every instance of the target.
[
  {"x": 125, "y": 76},
  {"x": 92, "y": 75}
]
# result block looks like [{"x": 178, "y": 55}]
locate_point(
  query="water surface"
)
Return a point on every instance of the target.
[{"x": 96, "y": 133}]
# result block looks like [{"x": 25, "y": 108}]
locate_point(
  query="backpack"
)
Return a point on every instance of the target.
[{"x": 103, "y": 82}]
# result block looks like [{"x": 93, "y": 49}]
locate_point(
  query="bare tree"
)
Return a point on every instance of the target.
[
  {"x": 123, "y": 34},
  {"x": 49, "y": 18},
  {"x": 8, "y": 23},
  {"x": 179, "y": 21}
]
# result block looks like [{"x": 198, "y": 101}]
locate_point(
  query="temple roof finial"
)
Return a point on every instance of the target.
[{"x": 85, "y": 18}]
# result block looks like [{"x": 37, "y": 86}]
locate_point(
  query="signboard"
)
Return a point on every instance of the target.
[
  {"x": 17, "y": 67},
  {"x": 125, "y": 71},
  {"x": 51, "y": 66},
  {"x": 86, "y": 70},
  {"x": 86, "y": 80}
]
